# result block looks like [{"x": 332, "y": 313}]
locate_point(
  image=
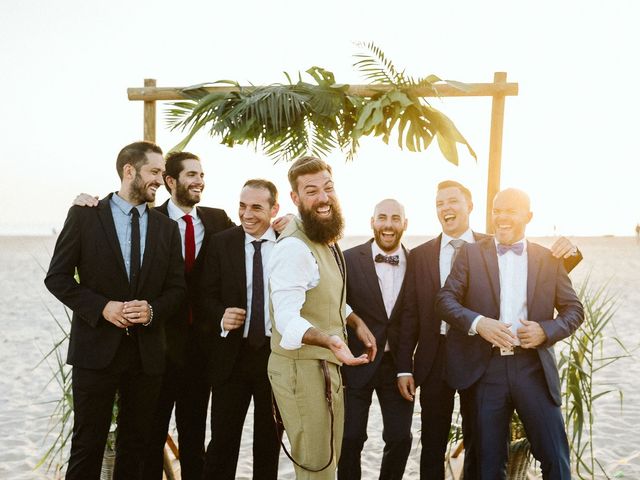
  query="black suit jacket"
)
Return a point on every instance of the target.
[
  {"x": 88, "y": 242},
  {"x": 223, "y": 284},
  {"x": 473, "y": 288},
  {"x": 365, "y": 298},
  {"x": 419, "y": 324},
  {"x": 214, "y": 220}
]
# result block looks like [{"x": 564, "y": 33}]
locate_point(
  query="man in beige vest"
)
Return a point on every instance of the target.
[{"x": 309, "y": 317}]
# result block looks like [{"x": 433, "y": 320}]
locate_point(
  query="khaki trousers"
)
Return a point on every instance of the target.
[{"x": 298, "y": 386}]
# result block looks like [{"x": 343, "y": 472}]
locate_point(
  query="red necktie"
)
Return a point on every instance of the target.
[
  {"x": 189, "y": 244},
  {"x": 189, "y": 251}
]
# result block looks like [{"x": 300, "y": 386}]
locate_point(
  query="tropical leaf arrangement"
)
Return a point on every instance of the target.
[{"x": 315, "y": 117}]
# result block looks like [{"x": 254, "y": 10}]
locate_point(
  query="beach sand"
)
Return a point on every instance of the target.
[{"x": 27, "y": 329}]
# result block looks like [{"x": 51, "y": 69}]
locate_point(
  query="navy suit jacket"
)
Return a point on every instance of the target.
[
  {"x": 365, "y": 298},
  {"x": 420, "y": 326},
  {"x": 473, "y": 288}
]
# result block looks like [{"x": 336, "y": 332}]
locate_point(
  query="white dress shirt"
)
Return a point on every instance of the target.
[
  {"x": 266, "y": 250},
  {"x": 292, "y": 270},
  {"x": 446, "y": 253},
  {"x": 513, "y": 272},
  {"x": 513, "y": 288},
  {"x": 390, "y": 277},
  {"x": 175, "y": 213}
]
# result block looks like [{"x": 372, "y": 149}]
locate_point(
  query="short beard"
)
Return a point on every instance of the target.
[
  {"x": 321, "y": 230},
  {"x": 139, "y": 192},
  {"x": 183, "y": 196},
  {"x": 377, "y": 235}
]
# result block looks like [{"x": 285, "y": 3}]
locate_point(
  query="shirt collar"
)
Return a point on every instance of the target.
[
  {"x": 269, "y": 235},
  {"x": 125, "y": 206},
  {"x": 466, "y": 236},
  {"x": 176, "y": 213},
  {"x": 375, "y": 250}
]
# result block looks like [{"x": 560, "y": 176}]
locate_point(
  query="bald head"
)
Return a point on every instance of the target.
[
  {"x": 388, "y": 223},
  {"x": 510, "y": 215}
]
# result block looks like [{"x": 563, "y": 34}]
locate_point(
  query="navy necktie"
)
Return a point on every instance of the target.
[
  {"x": 516, "y": 248},
  {"x": 256, "y": 334}
]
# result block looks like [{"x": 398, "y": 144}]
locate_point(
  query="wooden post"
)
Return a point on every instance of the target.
[
  {"x": 495, "y": 147},
  {"x": 149, "y": 129}
]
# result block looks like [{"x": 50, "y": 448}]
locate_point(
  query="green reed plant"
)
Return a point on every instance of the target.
[
  {"x": 61, "y": 418},
  {"x": 581, "y": 361}
]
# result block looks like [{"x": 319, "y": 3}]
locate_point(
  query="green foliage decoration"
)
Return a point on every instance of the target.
[{"x": 293, "y": 119}]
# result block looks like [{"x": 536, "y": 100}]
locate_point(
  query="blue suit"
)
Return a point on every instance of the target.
[{"x": 527, "y": 381}]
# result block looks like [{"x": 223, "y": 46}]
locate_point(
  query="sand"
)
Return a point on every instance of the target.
[{"x": 27, "y": 329}]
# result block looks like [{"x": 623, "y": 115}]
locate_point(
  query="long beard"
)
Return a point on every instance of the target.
[{"x": 323, "y": 230}]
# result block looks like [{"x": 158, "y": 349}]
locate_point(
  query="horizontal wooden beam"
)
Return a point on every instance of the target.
[{"x": 148, "y": 94}]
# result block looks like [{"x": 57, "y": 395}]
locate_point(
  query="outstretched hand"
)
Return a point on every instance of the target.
[{"x": 341, "y": 350}]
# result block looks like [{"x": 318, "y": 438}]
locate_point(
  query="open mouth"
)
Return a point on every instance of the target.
[
  {"x": 324, "y": 210},
  {"x": 388, "y": 235},
  {"x": 449, "y": 218}
]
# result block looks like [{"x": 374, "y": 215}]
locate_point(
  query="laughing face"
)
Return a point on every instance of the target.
[
  {"x": 190, "y": 184},
  {"x": 453, "y": 210},
  {"x": 255, "y": 210},
  {"x": 147, "y": 179},
  {"x": 319, "y": 208},
  {"x": 388, "y": 224},
  {"x": 510, "y": 215}
]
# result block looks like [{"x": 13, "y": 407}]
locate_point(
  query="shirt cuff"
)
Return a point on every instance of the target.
[
  {"x": 292, "y": 335},
  {"x": 349, "y": 311},
  {"x": 223, "y": 332},
  {"x": 472, "y": 330},
  {"x": 405, "y": 374}
]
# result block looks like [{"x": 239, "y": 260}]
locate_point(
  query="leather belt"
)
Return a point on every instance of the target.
[{"x": 505, "y": 352}]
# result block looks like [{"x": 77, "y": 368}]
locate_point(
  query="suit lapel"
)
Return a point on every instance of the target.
[
  {"x": 368, "y": 269},
  {"x": 150, "y": 246},
  {"x": 109, "y": 227},
  {"x": 533, "y": 270},
  {"x": 491, "y": 263},
  {"x": 433, "y": 261}
]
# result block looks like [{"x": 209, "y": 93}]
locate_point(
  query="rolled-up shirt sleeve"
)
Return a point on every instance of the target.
[{"x": 292, "y": 271}]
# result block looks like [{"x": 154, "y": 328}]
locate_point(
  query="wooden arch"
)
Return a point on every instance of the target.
[{"x": 498, "y": 90}]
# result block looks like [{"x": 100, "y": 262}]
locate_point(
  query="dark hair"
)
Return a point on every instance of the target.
[
  {"x": 453, "y": 184},
  {"x": 267, "y": 185},
  {"x": 135, "y": 154},
  {"x": 174, "y": 165},
  {"x": 305, "y": 166}
]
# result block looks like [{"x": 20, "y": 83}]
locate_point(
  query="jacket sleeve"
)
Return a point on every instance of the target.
[
  {"x": 409, "y": 321},
  {"x": 174, "y": 288},
  {"x": 61, "y": 277},
  {"x": 570, "y": 311},
  {"x": 209, "y": 291}
]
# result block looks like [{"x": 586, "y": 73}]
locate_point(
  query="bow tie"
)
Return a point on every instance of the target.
[
  {"x": 390, "y": 259},
  {"x": 516, "y": 248}
]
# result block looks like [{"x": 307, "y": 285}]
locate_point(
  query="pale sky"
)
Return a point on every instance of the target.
[{"x": 568, "y": 138}]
